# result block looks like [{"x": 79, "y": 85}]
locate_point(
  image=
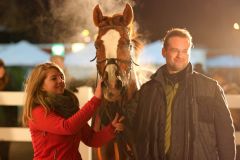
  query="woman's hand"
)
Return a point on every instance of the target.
[
  {"x": 98, "y": 90},
  {"x": 116, "y": 123}
]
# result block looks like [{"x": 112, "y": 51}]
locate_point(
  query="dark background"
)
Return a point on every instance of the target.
[{"x": 48, "y": 21}]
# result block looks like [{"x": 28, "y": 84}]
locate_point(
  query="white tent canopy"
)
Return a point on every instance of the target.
[
  {"x": 82, "y": 58},
  {"x": 78, "y": 63},
  {"x": 23, "y": 54},
  {"x": 227, "y": 61},
  {"x": 152, "y": 54}
]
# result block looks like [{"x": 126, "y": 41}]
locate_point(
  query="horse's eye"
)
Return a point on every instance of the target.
[
  {"x": 97, "y": 47},
  {"x": 98, "y": 44}
]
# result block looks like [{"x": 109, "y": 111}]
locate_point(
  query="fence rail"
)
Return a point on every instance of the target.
[{"x": 20, "y": 134}]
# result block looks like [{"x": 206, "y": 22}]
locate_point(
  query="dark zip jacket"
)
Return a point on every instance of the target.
[{"x": 202, "y": 127}]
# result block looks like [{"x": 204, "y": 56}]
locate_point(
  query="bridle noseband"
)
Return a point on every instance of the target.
[{"x": 115, "y": 61}]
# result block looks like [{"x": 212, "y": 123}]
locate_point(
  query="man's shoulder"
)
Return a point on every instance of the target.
[
  {"x": 201, "y": 78},
  {"x": 204, "y": 84},
  {"x": 150, "y": 87}
]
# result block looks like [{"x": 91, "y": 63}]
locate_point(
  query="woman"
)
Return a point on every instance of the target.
[{"x": 56, "y": 123}]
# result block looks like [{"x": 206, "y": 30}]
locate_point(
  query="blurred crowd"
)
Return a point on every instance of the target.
[{"x": 227, "y": 79}]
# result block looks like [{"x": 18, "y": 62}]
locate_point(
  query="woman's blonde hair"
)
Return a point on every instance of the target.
[{"x": 33, "y": 92}]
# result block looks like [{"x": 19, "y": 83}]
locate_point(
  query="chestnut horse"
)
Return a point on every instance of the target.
[{"x": 116, "y": 50}]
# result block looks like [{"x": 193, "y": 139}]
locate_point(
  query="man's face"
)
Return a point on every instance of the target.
[{"x": 177, "y": 54}]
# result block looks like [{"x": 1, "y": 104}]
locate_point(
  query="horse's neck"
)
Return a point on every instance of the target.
[
  {"x": 133, "y": 85},
  {"x": 139, "y": 75}
]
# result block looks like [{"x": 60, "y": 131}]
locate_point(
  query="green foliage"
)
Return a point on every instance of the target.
[{"x": 18, "y": 75}]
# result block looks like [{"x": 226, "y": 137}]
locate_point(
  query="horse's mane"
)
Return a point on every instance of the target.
[{"x": 137, "y": 44}]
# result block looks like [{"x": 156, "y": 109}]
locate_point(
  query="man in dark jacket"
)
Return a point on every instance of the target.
[{"x": 181, "y": 114}]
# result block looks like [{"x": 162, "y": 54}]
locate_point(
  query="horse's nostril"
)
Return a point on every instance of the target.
[
  {"x": 110, "y": 94},
  {"x": 119, "y": 84},
  {"x": 103, "y": 84}
]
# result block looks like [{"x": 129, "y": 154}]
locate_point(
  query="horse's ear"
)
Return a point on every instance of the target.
[
  {"x": 128, "y": 14},
  {"x": 97, "y": 15}
]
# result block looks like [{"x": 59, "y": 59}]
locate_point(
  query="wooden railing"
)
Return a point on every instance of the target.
[{"x": 19, "y": 134}]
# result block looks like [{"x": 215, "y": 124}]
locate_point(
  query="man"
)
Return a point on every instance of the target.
[{"x": 181, "y": 114}]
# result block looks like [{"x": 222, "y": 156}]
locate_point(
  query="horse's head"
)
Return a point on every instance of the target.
[{"x": 114, "y": 51}]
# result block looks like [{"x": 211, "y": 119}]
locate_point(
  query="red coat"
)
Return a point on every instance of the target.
[{"x": 54, "y": 137}]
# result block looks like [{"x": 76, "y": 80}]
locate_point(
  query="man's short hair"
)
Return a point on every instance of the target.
[{"x": 177, "y": 32}]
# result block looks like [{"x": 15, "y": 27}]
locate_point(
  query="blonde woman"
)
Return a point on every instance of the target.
[{"x": 56, "y": 123}]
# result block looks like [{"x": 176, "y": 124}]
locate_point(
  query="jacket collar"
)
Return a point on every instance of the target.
[{"x": 160, "y": 74}]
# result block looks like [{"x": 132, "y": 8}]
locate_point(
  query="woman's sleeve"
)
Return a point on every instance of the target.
[
  {"x": 96, "y": 139},
  {"x": 55, "y": 124}
]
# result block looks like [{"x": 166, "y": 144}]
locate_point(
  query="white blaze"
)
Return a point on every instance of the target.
[{"x": 110, "y": 41}]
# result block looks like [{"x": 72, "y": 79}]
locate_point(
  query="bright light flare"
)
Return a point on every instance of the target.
[
  {"x": 58, "y": 49},
  {"x": 236, "y": 26},
  {"x": 77, "y": 47},
  {"x": 85, "y": 33}
]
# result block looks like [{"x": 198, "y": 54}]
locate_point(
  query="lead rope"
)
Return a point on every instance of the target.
[
  {"x": 116, "y": 151},
  {"x": 99, "y": 153}
]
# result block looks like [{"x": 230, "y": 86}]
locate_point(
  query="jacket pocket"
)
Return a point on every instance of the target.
[{"x": 205, "y": 109}]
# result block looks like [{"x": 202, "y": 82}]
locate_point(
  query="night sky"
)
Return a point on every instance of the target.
[
  {"x": 40, "y": 21},
  {"x": 209, "y": 21}
]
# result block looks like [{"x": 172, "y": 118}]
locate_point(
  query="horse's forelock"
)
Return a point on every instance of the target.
[{"x": 115, "y": 20}]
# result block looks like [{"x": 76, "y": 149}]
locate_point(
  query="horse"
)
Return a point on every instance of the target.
[{"x": 117, "y": 48}]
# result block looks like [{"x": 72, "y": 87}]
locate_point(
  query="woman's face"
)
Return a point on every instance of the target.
[{"x": 54, "y": 82}]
